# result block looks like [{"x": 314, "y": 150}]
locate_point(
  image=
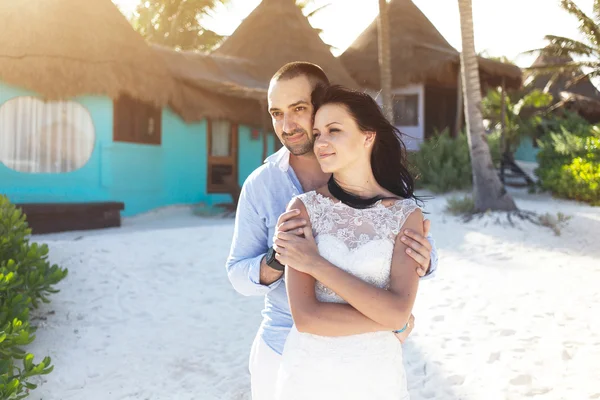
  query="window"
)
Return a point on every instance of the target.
[
  {"x": 406, "y": 110},
  {"x": 136, "y": 122},
  {"x": 222, "y": 156},
  {"x": 45, "y": 137}
]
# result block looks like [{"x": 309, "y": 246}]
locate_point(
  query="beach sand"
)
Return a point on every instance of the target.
[{"x": 147, "y": 311}]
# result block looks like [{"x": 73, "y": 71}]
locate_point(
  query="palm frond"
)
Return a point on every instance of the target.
[
  {"x": 561, "y": 68},
  {"x": 589, "y": 75},
  {"x": 586, "y": 24},
  {"x": 597, "y": 9},
  {"x": 316, "y": 10},
  {"x": 562, "y": 46}
]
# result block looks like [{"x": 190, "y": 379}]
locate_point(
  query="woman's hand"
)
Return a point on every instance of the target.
[{"x": 298, "y": 252}]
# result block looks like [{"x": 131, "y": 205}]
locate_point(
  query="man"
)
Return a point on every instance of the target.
[{"x": 251, "y": 267}]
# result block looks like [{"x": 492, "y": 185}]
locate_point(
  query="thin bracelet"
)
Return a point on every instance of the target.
[{"x": 403, "y": 329}]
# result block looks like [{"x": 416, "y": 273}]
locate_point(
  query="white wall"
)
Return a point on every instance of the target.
[{"x": 413, "y": 135}]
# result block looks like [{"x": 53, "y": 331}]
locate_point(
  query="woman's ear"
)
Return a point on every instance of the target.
[{"x": 369, "y": 138}]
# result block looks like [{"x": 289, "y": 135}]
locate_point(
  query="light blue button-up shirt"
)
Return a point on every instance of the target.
[{"x": 264, "y": 197}]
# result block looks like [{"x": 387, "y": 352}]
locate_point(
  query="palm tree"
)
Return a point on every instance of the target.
[
  {"x": 385, "y": 63},
  {"x": 176, "y": 23},
  {"x": 488, "y": 191},
  {"x": 314, "y": 4},
  {"x": 564, "y": 50}
]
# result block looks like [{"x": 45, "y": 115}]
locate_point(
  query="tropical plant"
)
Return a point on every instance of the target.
[
  {"x": 574, "y": 58},
  {"x": 176, "y": 23},
  {"x": 524, "y": 115},
  {"x": 443, "y": 163},
  {"x": 26, "y": 279},
  {"x": 569, "y": 163}
]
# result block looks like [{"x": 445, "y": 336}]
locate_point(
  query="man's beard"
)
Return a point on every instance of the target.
[{"x": 300, "y": 148}]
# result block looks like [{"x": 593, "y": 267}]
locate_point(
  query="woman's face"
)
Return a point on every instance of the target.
[{"x": 339, "y": 142}]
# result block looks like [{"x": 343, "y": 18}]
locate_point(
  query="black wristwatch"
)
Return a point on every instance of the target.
[{"x": 272, "y": 262}]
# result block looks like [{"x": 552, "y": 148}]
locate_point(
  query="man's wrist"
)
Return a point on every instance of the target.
[
  {"x": 272, "y": 262},
  {"x": 268, "y": 275}
]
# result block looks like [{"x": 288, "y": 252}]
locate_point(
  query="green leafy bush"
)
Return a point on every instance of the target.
[
  {"x": 569, "y": 164},
  {"x": 460, "y": 205},
  {"x": 524, "y": 114},
  {"x": 579, "y": 180},
  {"x": 443, "y": 163},
  {"x": 26, "y": 278}
]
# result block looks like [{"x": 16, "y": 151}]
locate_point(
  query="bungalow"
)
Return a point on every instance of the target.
[
  {"x": 581, "y": 97},
  {"x": 275, "y": 33},
  {"x": 426, "y": 89},
  {"x": 91, "y": 114}
]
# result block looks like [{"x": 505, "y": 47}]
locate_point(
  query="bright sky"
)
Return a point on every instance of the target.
[{"x": 502, "y": 28}]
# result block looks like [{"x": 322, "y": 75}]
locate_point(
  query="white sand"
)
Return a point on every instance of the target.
[{"x": 147, "y": 311}]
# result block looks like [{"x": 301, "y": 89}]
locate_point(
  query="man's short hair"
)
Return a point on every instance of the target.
[{"x": 313, "y": 72}]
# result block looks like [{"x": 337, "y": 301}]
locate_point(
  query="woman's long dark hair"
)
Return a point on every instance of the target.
[{"x": 388, "y": 157}]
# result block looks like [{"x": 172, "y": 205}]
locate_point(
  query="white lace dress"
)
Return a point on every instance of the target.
[{"x": 358, "y": 367}]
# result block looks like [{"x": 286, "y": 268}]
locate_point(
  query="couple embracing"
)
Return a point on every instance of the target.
[{"x": 330, "y": 232}]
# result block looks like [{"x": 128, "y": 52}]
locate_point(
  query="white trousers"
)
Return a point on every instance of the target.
[{"x": 264, "y": 367}]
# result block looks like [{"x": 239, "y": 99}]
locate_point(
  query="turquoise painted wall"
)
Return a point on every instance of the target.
[
  {"x": 144, "y": 177},
  {"x": 526, "y": 151}
]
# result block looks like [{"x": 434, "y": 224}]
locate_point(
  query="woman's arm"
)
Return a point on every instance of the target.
[
  {"x": 390, "y": 308},
  {"x": 313, "y": 316}
]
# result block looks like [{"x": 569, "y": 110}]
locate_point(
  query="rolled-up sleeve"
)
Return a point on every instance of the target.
[
  {"x": 434, "y": 259},
  {"x": 248, "y": 247}
]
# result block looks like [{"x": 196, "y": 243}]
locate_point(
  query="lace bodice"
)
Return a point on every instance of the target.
[
  {"x": 352, "y": 367},
  {"x": 359, "y": 241}
]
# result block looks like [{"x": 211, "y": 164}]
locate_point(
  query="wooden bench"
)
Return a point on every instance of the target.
[{"x": 62, "y": 217}]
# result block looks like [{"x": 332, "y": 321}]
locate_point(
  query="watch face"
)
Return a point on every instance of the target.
[{"x": 270, "y": 255}]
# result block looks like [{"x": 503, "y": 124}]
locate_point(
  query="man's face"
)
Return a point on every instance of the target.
[{"x": 291, "y": 112}]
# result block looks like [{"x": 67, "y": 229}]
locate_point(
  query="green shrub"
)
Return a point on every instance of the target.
[
  {"x": 579, "y": 180},
  {"x": 26, "y": 278},
  {"x": 443, "y": 163},
  {"x": 567, "y": 120},
  {"x": 460, "y": 205},
  {"x": 569, "y": 164}
]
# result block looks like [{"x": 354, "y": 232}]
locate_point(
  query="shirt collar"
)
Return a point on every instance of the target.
[{"x": 281, "y": 158}]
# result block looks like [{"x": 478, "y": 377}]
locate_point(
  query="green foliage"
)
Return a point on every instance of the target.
[
  {"x": 176, "y": 23},
  {"x": 443, "y": 163},
  {"x": 567, "y": 120},
  {"x": 586, "y": 53},
  {"x": 579, "y": 180},
  {"x": 461, "y": 205},
  {"x": 26, "y": 278},
  {"x": 523, "y": 114},
  {"x": 569, "y": 164}
]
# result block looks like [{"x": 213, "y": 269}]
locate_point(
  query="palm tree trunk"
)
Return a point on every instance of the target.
[
  {"x": 488, "y": 191},
  {"x": 459, "y": 107},
  {"x": 385, "y": 62}
]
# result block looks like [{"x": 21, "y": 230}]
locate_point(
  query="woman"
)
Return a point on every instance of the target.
[{"x": 350, "y": 254}]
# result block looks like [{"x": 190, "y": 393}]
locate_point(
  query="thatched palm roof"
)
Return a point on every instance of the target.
[
  {"x": 211, "y": 86},
  {"x": 586, "y": 106},
  {"x": 419, "y": 54},
  {"x": 228, "y": 75},
  {"x": 542, "y": 80},
  {"x": 276, "y": 33},
  {"x": 65, "y": 48}
]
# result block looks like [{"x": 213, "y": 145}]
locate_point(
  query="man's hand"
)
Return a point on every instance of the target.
[
  {"x": 419, "y": 247},
  {"x": 287, "y": 222}
]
